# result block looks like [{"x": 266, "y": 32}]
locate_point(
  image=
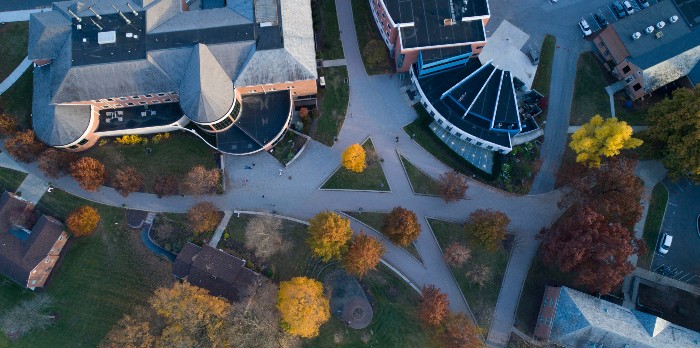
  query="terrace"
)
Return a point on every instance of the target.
[{"x": 139, "y": 117}]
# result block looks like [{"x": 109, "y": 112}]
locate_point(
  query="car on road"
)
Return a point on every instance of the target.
[
  {"x": 665, "y": 244},
  {"x": 585, "y": 28},
  {"x": 644, "y": 3},
  {"x": 628, "y": 7},
  {"x": 601, "y": 20},
  {"x": 619, "y": 10}
]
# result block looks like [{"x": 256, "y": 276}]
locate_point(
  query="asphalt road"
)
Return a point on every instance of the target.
[
  {"x": 682, "y": 261},
  {"x": 17, "y": 5}
]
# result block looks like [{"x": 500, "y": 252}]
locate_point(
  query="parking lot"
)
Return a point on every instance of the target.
[
  {"x": 608, "y": 12},
  {"x": 682, "y": 262}
]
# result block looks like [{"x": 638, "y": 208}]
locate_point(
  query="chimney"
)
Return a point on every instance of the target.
[
  {"x": 136, "y": 14},
  {"x": 97, "y": 25},
  {"x": 74, "y": 15},
  {"x": 121, "y": 15},
  {"x": 96, "y": 14}
]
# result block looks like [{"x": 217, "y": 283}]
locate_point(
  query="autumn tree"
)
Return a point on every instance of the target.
[
  {"x": 353, "y": 158},
  {"x": 675, "y": 124},
  {"x": 89, "y": 173},
  {"x": 456, "y": 254},
  {"x": 480, "y": 274},
  {"x": 127, "y": 180},
  {"x": 8, "y": 125},
  {"x": 612, "y": 190},
  {"x": 200, "y": 180},
  {"x": 601, "y": 138},
  {"x": 460, "y": 332},
  {"x": 130, "y": 332},
  {"x": 591, "y": 247},
  {"x": 28, "y": 316},
  {"x": 434, "y": 306},
  {"x": 329, "y": 234},
  {"x": 401, "y": 226},
  {"x": 263, "y": 235},
  {"x": 488, "y": 226},
  {"x": 166, "y": 185},
  {"x": 203, "y": 217},
  {"x": 191, "y": 315},
  {"x": 303, "y": 306},
  {"x": 83, "y": 221},
  {"x": 24, "y": 146},
  {"x": 56, "y": 163},
  {"x": 452, "y": 186},
  {"x": 364, "y": 253}
]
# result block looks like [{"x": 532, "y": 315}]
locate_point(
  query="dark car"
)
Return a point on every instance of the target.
[
  {"x": 534, "y": 56},
  {"x": 644, "y": 3},
  {"x": 619, "y": 9},
  {"x": 601, "y": 20}
]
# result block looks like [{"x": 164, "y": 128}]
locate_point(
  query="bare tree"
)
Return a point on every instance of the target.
[
  {"x": 27, "y": 316},
  {"x": 263, "y": 236},
  {"x": 456, "y": 254},
  {"x": 481, "y": 274}
]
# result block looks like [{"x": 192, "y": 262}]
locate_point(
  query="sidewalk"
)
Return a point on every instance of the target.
[
  {"x": 334, "y": 62},
  {"x": 33, "y": 188},
  {"x": 15, "y": 75},
  {"x": 220, "y": 229}
]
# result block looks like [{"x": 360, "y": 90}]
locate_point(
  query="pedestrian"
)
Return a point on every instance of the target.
[
  {"x": 253, "y": 164},
  {"x": 397, "y": 139},
  {"x": 280, "y": 172},
  {"x": 248, "y": 167},
  {"x": 263, "y": 196}
]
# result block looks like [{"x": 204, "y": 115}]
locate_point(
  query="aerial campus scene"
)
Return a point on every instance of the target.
[{"x": 350, "y": 173}]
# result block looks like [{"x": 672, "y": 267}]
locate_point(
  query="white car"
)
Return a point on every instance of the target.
[
  {"x": 665, "y": 244},
  {"x": 585, "y": 28},
  {"x": 628, "y": 7}
]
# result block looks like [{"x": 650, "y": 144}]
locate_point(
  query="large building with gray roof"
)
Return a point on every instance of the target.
[{"x": 232, "y": 70}]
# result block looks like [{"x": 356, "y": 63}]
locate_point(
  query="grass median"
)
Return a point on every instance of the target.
[{"x": 652, "y": 226}]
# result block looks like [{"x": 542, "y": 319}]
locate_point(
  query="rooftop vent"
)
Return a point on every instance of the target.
[
  {"x": 448, "y": 22},
  {"x": 649, "y": 29},
  {"x": 636, "y": 35},
  {"x": 74, "y": 15},
  {"x": 659, "y": 35},
  {"x": 673, "y": 19},
  {"x": 660, "y": 25},
  {"x": 106, "y": 37}
]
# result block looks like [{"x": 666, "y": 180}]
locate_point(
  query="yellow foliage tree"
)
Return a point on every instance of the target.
[
  {"x": 329, "y": 234},
  {"x": 83, "y": 220},
  {"x": 354, "y": 158},
  {"x": 601, "y": 137},
  {"x": 302, "y": 306}
]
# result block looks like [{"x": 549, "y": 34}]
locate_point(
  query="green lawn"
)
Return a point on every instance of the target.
[
  {"x": 652, "y": 226},
  {"x": 325, "y": 20},
  {"x": 636, "y": 115},
  {"x": 420, "y": 131},
  {"x": 394, "y": 324},
  {"x": 17, "y": 100},
  {"x": 482, "y": 300},
  {"x": 375, "y": 54},
  {"x": 590, "y": 98},
  {"x": 372, "y": 178},
  {"x": 334, "y": 104},
  {"x": 10, "y": 179},
  {"x": 288, "y": 147},
  {"x": 100, "y": 278},
  {"x": 375, "y": 221},
  {"x": 13, "y": 40},
  {"x": 543, "y": 76},
  {"x": 175, "y": 156},
  {"x": 421, "y": 183}
]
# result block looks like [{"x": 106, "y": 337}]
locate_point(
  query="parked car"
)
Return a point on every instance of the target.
[
  {"x": 665, "y": 244},
  {"x": 585, "y": 28},
  {"x": 628, "y": 7},
  {"x": 534, "y": 56},
  {"x": 644, "y": 3},
  {"x": 619, "y": 10},
  {"x": 601, "y": 20}
]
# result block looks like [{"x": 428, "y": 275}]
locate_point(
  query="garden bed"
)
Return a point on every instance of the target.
[
  {"x": 333, "y": 100},
  {"x": 375, "y": 54},
  {"x": 372, "y": 178},
  {"x": 288, "y": 147}
]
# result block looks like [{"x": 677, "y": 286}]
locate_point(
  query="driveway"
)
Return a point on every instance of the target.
[{"x": 682, "y": 262}]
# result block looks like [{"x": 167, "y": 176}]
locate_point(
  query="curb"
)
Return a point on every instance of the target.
[{"x": 405, "y": 172}]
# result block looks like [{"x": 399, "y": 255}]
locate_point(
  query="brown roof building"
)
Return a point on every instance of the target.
[
  {"x": 216, "y": 271},
  {"x": 28, "y": 256}
]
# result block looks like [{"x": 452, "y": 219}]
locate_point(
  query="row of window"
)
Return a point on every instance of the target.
[
  {"x": 135, "y": 97},
  {"x": 154, "y": 101}
]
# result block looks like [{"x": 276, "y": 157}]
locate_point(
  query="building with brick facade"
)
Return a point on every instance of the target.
[
  {"x": 28, "y": 254},
  {"x": 230, "y": 71},
  {"x": 432, "y": 34},
  {"x": 653, "y": 47}
]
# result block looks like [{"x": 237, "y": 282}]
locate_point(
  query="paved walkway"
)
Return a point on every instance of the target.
[
  {"x": 19, "y": 16},
  {"x": 15, "y": 75},
  {"x": 220, "y": 229},
  {"x": 334, "y": 62},
  {"x": 33, "y": 188}
]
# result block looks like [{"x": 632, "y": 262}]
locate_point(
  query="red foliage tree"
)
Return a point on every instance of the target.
[
  {"x": 166, "y": 185},
  {"x": 593, "y": 248},
  {"x": 24, "y": 146},
  {"x": 452, "y": 186},
  {"x": 89, "y": 173},
  {"x": 401, "y": 226},
  {"x": 434, "y": 306},
  {"x": 363, "y": 254},
  {"x": 55, "y": 163},
  {"x": 460, "y": 332},
  {"x": 127, "y": 180}
]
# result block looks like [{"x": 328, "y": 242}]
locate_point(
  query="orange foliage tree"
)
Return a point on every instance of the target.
[
  {"x": 363, "y": 255},
  {"x": 434, "y": 306},
  {"x": 452, "y": 186},
  {"x": 8, "y": 125},
  {"x": 127, "y": 180},
  {"x": 303, "y": 306},
  {"x": 203, "y": 217},
  {"x": 488, "y": 226},
  {"x": 353, "y": 158},
  {"x": 200, "y": 180},
  {"x": 83, "y": 220},
  {"x": 24, "y": 146},
  {"x": 55, "y": 163},
  {"x": 329, "y": 234},
  {"x": 460, "y": 332},
  {"x": 89, "y": 173},
  {"x": 401, "y": 226}
]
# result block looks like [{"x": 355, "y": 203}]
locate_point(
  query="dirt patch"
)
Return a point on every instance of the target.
[{"x": 348, "y": 300}]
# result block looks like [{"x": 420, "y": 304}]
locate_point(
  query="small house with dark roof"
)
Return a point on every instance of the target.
[
  {"x": 27, "y": 256},
  {"x": 573, "y": 319},
  {"x": 230, "y": 72},
  {"x": 216, "y": 271},
  {"x": 653, "y": 47}
]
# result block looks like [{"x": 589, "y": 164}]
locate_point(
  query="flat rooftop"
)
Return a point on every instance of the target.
[{"x": 429, "y": 18}]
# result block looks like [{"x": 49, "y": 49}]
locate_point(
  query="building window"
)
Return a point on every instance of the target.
[
  {"x": 479, "y": 47},
  {"x": 96, "y": 101},
  {"x": 637, "y": 87},
  {"x": 122, "y": 98},
  {"x": 168, "y": 100},
  {"x": 149, "y": 96},
  {"x": 83, "y": 142},
  {"x": 143, "y": 103},
  {"x": 104, "y": 106},
  {"x": 118, "y": 105},
  {"x": 236, "y": 111},
  {"x": 400, "y": 62},
  {"x": 73, "y": 147},
  {"x": 439, "y": 121},
  {"x": 626, "y": 69},
  {"x": 227, "y": 121},
  {"x": 173, "y": 93},
  {"x": 601, "y": 44},
  {"x": 606, "y": 53},
  {"x": 47, "y": 261},
  {"x": 155, "y": 101},
  {"x": 60, "y": 237},
  {"x": 478, "y": 143},
  {"x": 130, "y": 104},
  {"x": 135, "y": 97},
  {"x": 161, "y": 94}
]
